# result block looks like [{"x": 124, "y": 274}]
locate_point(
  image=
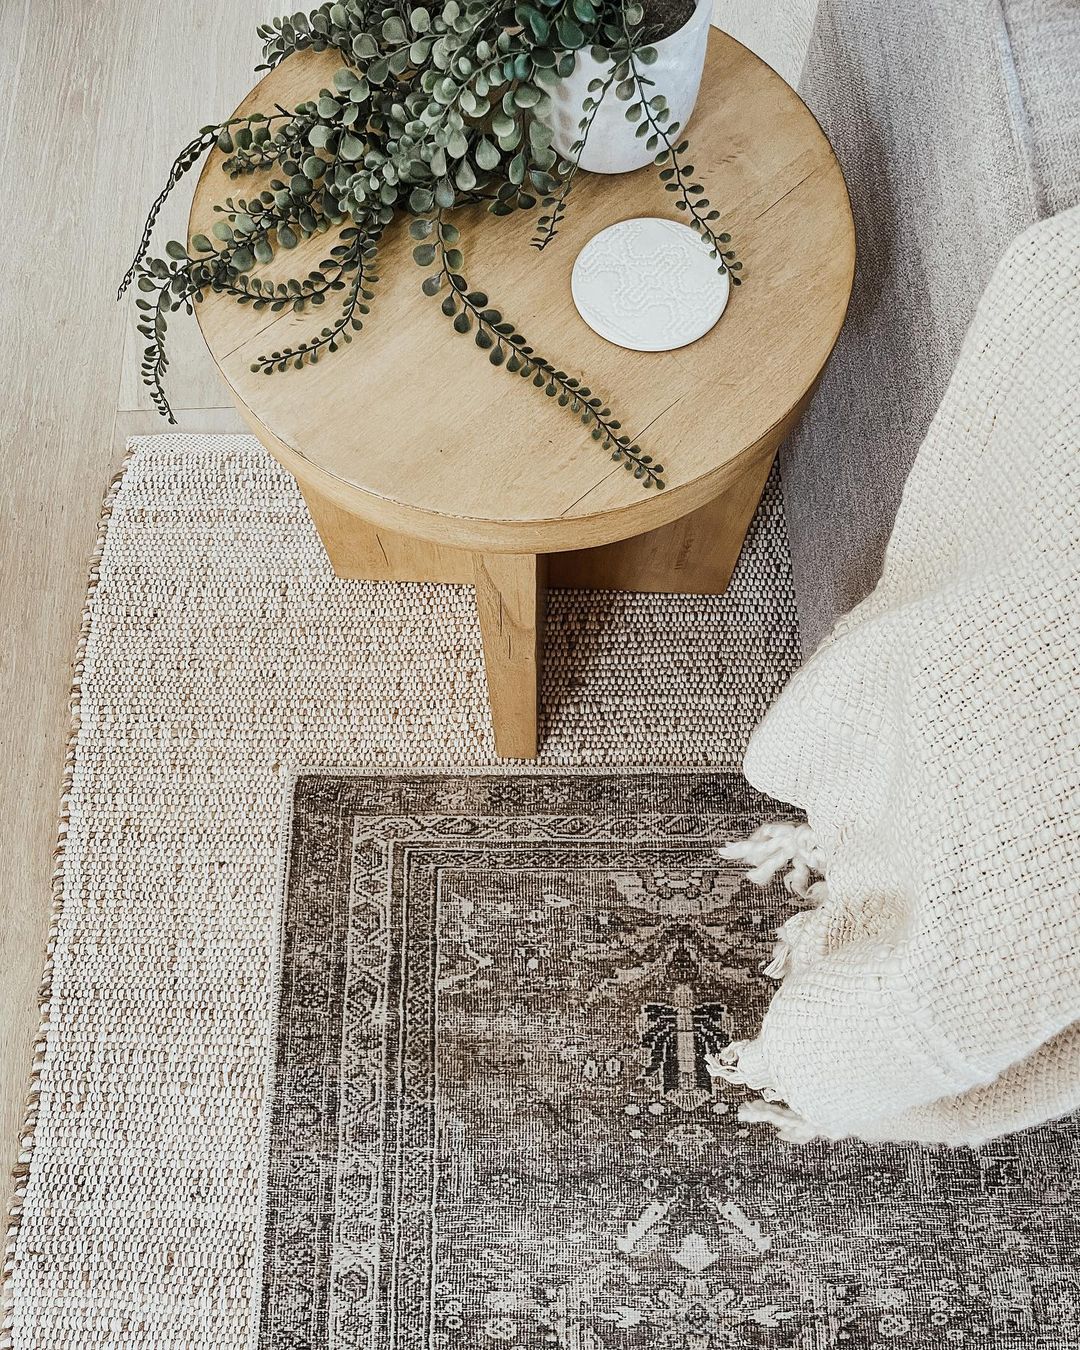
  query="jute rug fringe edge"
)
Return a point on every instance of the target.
[{"x": 28, "y": 1132}]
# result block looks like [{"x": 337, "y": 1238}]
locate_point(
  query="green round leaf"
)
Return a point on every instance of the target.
[
  {"x": 570, "y": 35},
  {"x": 393, "y": 30},
  {"x": 487, "y": 154}
]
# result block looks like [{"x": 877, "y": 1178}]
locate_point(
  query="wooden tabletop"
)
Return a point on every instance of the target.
[{"x": 413, "y": 429}]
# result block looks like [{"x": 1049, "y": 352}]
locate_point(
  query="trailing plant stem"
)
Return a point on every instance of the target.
[
  {"x": 498, "y": 337},
  {"x": 678, "y": 177},
  {"x": 549, "y": 225}
]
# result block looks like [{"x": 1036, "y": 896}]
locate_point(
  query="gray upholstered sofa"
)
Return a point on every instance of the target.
[{"x": 957, "y": 123}]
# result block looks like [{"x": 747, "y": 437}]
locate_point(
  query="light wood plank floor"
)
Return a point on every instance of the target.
[{"x": 97, "y": 97}]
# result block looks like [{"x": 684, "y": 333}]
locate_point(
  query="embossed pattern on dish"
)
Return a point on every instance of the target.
[{"x": 649, "y": 285}]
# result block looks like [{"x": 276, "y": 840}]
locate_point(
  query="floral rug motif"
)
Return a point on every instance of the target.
[{"x": 492, "y": 1124}]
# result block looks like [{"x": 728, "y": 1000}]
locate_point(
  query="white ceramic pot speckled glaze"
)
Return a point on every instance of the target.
[{"x": 613, "y": 145}]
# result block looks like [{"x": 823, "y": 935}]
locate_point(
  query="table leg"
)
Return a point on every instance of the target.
[
  {"x": 359, "y": 550},
  {"x": 510, "y": 602},
  {"x": 694, "y": 555}
]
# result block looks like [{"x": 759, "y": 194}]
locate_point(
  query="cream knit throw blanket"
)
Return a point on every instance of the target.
[{"x": 931, "y": 989}]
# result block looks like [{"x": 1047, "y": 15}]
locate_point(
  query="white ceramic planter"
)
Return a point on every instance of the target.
[{"x": 613, "y": 145}]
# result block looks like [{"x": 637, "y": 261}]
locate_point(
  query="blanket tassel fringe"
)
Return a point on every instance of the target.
[{"x": 768, "y": 851}]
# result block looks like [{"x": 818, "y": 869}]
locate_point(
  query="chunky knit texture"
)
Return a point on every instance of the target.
[{"x": 932, "y": 991}]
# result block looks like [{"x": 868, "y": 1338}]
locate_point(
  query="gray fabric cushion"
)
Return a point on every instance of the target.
[
  {"x": 945, "y": 135},
  {"x": 1044, "y": 38}
]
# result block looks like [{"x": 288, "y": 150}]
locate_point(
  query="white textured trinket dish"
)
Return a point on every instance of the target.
[{"x": 649, "y": 285}]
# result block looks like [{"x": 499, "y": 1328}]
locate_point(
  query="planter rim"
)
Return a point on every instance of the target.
[{"x": 699, "y": 5}]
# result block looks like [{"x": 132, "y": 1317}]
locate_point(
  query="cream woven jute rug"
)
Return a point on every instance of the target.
[
  {"x": 351, "y": 1041},
  {"x": 219, "y": 655}
]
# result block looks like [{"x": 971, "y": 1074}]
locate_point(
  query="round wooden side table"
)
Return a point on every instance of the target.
[{"x": 421, "y": 461}]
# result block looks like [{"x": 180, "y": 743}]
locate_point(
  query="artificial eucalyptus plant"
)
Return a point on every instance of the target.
[{"x": 431, "y": 110}]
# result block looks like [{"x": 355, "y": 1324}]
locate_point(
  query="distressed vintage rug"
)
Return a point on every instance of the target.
[{"x": 491, "y": 1122}]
